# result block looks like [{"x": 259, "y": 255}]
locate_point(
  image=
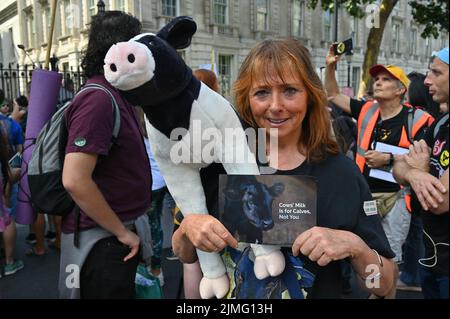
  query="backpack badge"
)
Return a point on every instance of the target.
[{"x": 80, "y": 142}]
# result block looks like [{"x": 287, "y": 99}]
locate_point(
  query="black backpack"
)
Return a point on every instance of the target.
[{"x": 47, "y": 193}]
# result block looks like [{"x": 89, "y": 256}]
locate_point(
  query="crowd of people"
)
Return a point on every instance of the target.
[{"x": 391, "y": 233}]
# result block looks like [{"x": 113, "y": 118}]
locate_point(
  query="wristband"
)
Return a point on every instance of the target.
[{"x": 391, "y": 159}]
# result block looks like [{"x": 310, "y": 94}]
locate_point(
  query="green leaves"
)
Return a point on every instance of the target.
[{"x": 433, "y": 14}]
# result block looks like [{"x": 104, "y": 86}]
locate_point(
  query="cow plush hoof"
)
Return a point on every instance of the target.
[
  {"x": 269, "y": 265},
  {"x": 217, "y": 287}
]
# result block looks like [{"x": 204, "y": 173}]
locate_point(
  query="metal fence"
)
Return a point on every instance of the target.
[{"x": 15, "y": 80}]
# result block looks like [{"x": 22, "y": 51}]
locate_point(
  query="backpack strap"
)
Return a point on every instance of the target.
[
  {"x": 439, "y": 124},
  {"x": 115, "y": 134},
  {"x": 290, "y": 279},
  {"x": 116, "y": 110},
  {"x": 410, "y": 123}
]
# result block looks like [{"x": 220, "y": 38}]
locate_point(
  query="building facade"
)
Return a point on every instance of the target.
[{"x": 227, "y": 30}]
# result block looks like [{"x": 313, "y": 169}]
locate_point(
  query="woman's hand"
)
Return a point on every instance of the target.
[
  {"x": 331, "y": 58},
  {"x": 376, "y": 159},
  {"x": 207, "y": 233},
  {"x": 324, "y": 245}
]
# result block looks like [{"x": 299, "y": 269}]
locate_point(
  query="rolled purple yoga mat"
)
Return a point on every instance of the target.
[{"x": 44, "y": 94}]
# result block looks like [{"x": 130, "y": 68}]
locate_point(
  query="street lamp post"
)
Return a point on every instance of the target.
[
  {"x": 336, "y": 9},
  {"x": 349, "y": 56},
  {"x": 349, "y": 62}
]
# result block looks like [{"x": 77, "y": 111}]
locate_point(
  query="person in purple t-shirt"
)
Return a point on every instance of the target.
[{"x": 109, "y": 185}]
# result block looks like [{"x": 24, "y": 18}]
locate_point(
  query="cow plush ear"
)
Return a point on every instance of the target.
[
  {"x": 277, "y": 189},
  {"x": 179, "y": 32}
]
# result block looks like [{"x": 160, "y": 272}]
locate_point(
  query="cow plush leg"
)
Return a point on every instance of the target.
[
  {"x": 269, "y": 261},
  {"x": 215, "y": 282}
]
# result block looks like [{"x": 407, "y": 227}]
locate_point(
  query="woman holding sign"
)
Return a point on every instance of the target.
[{"x": 277, "y": 88}]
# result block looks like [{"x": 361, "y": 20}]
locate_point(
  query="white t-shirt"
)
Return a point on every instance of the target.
[{"x": 158, "y": 180}]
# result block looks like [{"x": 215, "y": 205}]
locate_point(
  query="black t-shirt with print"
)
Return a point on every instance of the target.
[
  {"x": 388, "y": 132},
  {"x": 436, "y": 226},
  {"x": 342, "y": 191}
]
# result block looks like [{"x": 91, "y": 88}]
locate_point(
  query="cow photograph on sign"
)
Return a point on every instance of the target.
[{"x": 267, "y": 209}]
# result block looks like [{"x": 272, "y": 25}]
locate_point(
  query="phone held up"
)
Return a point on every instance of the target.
[
  {"x": 16, "y": 160},
  {"x": 344, "y": 47}
]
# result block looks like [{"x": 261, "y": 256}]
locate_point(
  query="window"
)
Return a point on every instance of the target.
[
  {"x": 120, "y": 5},
  {"x": 298, "y": 9},
  {"x": 413, "y": 42},
  {"x": 68, "y": 21},
  {"x": 224, "y": 66},
  {"x": 45, "y": 20},
  {"x": 220, "y": 12},
  {"x": 327, "y": 26},
  {"x": 11, "y": 44},
  {"x": 355, "y": 32},
  {"x": 356, "y": 76},
  {"x": 31, "y": 31},
  {"x": 428, "y": 47},
  {"x": 444, "y": 42},
  {"x": 169, "y": 8},
  {"x": 1, "y": 50},
  {"x": 396, "y": 9},
  {"x": 395, "y": 37},
  {"x": 92, "y": 8},
  {"x": 262, "y": 9}
]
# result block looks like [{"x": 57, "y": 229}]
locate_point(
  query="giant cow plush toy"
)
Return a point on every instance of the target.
[{"x": 150, "y": 73}]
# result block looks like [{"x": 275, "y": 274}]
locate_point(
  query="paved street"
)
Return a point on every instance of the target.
[{"x": 39, "y": 278}]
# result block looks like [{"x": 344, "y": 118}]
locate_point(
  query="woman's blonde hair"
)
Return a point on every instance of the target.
[{"x": 276, "y": 57}]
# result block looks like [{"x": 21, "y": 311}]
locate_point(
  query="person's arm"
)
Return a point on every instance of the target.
[
  {"x": 14, "y": 175},
  {"x": 442, "y": 207},
  {"x": 376, "y": 159},
  {"x": 77, "y": 180},
  {"x": 412, "y": 169},
  {"x": 203, "y": 232},
  {"x": 324, "y": 245},
  {"x": 418, "y": 158},
  {"x": 17, "y": 113},
  {"x": 401, "y": 169},
  {"x": 331, "y": 85},
  {"x": 183, "y": 247}
]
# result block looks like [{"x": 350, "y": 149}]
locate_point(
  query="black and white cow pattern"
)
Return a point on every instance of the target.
[{"x": 151, "y": 74}]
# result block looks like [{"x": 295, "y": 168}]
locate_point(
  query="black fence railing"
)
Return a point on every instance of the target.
[{"x": 15, "y": 80}]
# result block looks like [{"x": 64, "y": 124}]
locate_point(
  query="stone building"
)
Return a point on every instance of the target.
[{"x": 227, "y": 29}]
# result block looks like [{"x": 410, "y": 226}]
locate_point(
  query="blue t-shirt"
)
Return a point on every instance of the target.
[{"x": 14, "y": 133}]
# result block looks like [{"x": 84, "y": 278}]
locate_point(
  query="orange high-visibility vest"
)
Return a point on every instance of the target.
[{"x": 366, "y": 125}]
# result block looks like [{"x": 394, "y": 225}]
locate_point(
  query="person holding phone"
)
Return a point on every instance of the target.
[{"x": 385, "y": 120}]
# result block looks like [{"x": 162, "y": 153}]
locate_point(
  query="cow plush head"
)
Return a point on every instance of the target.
[{"x": 148, "y": 69}]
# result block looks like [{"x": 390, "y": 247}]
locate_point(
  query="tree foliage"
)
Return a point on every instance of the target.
[
  {"x": 433, "y": 14},
  {"x": 356, "y": 8}
]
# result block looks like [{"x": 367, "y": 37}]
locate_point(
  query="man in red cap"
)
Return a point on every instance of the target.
[{"x": 384, "y": 120}]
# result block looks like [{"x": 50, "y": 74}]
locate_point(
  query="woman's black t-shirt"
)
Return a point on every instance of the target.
[{"x": 342, "y": 191}]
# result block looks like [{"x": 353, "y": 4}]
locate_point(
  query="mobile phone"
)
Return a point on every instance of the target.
[
  {"x": 16, "y": 160},
  {"x": 343, "y": 47}
]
